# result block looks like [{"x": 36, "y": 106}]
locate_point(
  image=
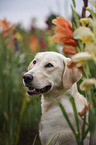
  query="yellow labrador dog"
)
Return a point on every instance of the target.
[{"x": 49, "y": 76}]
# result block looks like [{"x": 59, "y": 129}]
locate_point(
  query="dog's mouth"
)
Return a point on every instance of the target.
[{"x": 33, "y": 91}]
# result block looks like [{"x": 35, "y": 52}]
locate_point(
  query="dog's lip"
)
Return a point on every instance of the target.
[{"x": 35, "y": 91}]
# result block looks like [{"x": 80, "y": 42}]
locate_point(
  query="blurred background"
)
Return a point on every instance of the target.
[
  {"x": 25, "y": 29},
  {"x": 22, "y": 12}
]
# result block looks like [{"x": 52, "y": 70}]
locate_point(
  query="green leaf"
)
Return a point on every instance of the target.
[
  {"x": 74, "y": 4},
  {"x": 34, "y": 140},
  {"x": 75, "y": 19},
  {"x": 83, "y": 127},
  {"x": 76, "y": 115},
  {"x": 91, "y": 12},
  {"x": 23, "y": 108},
  {"x": 67, "y": 119},
  {"x": 58, "y": 133},
  {"x": 86, "y": 132}
]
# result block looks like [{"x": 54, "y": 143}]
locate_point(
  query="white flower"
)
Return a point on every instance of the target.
[
  {"x": 84, "y": 34},
  {"x": 81, "y": 58},
  {"x": 87, "y": 83}
]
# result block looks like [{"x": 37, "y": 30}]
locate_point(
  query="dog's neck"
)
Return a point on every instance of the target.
[{"x": 48, "y": 101}]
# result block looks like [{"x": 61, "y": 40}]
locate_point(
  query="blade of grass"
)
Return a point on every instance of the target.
[
  {"x": 23, "y": 108},
  {"x": 57, "y": 139},
  {"x": 34, "y": 140},
  {"x": 57, "y": 134}
]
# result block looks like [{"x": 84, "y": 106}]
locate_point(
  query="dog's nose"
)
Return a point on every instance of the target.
[{"x": 28, "y": 78}]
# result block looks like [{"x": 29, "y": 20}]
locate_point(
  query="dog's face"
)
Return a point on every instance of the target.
[{"x": 45, "y": 73}]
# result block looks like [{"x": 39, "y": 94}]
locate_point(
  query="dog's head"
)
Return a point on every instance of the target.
[{"x": 48, "y": 72}]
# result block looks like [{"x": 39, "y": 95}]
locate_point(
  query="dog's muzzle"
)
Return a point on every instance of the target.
[{"x": 28, "y": 78}]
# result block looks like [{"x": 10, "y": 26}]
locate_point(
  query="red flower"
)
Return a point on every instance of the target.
[
  {"x": 42, "y": 44},
  {"x": 69, "y": 50},
  {"x": 64, "y": 35}
]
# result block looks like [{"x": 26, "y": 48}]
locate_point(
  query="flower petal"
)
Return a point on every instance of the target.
[
  {"x": 67, "y": 33},
  {"x": 87, "y": 83},
  {"x": 69, "y": 50},
  {"x": 81, "y": 56},
  {"x": 63, "y": 32},
  {"x": 84, "y": 34},
  {"x": 85, "y": 21},
  {"x": 62, "y": 22},
  {"x": 58, "y": 38},
  {"x": 69, "y": 42}
]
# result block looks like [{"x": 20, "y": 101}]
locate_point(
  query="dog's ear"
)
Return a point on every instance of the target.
[{"x": 70, "y": 76}]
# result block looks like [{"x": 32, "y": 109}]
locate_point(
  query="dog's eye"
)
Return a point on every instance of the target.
[
  {"x": 49, "y": 65},
  {"x": 34, "y": 62}
]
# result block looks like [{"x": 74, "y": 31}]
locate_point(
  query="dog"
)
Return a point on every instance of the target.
[{"x": 49, "y": 76}]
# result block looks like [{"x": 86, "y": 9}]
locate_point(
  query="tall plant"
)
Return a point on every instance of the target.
[
  {"x": 11, "y": 67},
  {"x": 79, "y": 40}
]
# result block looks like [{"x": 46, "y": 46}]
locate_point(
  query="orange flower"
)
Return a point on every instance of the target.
[
  {"x": 63, "y": 31},
  {"x": 5, "y": 25},
  {"x": 33, "y": 44},
  {"x": 64, "y": 35},
  {"x": 85, "y": 109}
]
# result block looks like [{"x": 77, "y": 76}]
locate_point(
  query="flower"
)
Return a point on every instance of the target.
[
  {"x": 33, "y": 43},
  {"x": 64, "y": 34},
  {"x": 81, "y": 58},
  {"x": 85, "y": 21},
  {"x": 86, "y": 108},
  {"x": 18, "y": 36},
  {"x": 69, "y": 50},
  {"x": 42, "y": 44},
  {"x": 63, "y": 31},
  {"x": 91, "y": 48},
  {"x": 87, "y": 83},
  {"x": 84, "y": 34},
  {"x": 5, "y": 25}
]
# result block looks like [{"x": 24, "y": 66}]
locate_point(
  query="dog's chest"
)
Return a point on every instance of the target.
[{"x": 53, "y": 121}]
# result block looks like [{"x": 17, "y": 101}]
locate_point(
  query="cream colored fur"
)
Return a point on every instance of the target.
[{"x": 62, "y": 80}]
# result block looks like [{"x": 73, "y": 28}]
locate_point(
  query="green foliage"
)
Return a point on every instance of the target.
[
  {"x": 18, "y": 112},
  {"x": 10, "y": 92},
  {"x": 80, "y": 135}
]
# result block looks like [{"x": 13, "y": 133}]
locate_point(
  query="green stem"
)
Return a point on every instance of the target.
[{"x": 23, "y": 108}]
